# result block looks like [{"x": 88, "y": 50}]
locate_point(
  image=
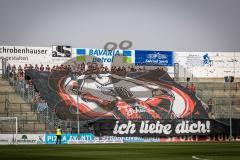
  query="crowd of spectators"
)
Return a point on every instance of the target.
[
  {"x": 40, "y": 103},
  {"x": 191, "y": 88},
  {"x": 16, "y": 75},
  {"x": 79, "y": 69}
]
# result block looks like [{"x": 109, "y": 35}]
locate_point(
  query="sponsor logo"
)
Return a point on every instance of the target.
[
  {"x": 61, "y": 51},
  {"x": 207, "y": 60},
  {"x": 51, "y": 138}
]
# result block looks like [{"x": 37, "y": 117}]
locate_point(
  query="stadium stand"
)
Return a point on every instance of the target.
[
  {"x": 13, "y": 105},
  {"x": 19, "y": 98},
  {"x": 222, "y": 94}
]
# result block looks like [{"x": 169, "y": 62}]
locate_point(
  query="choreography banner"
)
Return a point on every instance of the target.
[
  {"x": 164, "y": 128},
  {"x": 149, "y": 95}
]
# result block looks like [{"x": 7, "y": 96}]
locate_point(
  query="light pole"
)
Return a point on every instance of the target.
[
  {"x": 80, "y": 85},
  {"x": 78, "y": 122},
  {"x": 230, "y": 114},
  {"x": 228, "y": 81}
]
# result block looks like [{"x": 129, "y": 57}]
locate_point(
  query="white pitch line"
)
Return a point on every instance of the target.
[{"x": 195, "y": 157}]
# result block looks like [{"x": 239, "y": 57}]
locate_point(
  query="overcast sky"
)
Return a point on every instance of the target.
[{"x": 177, "y": 25}]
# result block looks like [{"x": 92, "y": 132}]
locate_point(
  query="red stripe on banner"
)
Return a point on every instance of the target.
[
  {"x": 149, "y": 110},
  {"x": 127, "y": 110},
  {"x": 84, "y": 109}
]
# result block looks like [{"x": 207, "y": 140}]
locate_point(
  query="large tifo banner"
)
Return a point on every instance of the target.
[
  {"x": 165, "y": 128},
  {"x": 151, "y": 95}
]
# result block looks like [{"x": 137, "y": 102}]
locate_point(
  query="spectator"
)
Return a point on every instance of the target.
[
  {"x": 8, "y": 70},
  {"x": 30, "y": 66},
  {"x": 57, "y": 68},
  {"x": 83, "y": 66},
  {"x": 36, "y": 67},
  {"x": 210, "y": 105},
  {"x": 20, "y": 75},
  {"x": 41, "y": 68},
  {"x": 30, "y": 83},
  {"x": 132, "y": 69},
  {"x": 213, "y": 116},
  {"x": 25, "y": 67},
  {"x": 48, "y": 68},
  {"x": 188, "y": 87},
  {"x": 59, "y": 135},
  {"x": 19, "y": 68},
  {"x": 193, "y": 89},
  {"x": 14, "y": 69},
  {"x": 106, "y": 68},
  {"x": 53, "y": 68},
  {"x": 69, "y": 68}
]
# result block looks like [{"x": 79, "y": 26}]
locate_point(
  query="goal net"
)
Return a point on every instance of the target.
[{"x": 8, "y": 130}]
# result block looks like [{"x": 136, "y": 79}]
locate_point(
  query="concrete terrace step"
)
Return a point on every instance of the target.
[
  {"x": 28, "y": 121},
  {"x": 235, "y": 108},
  {"x": 33, "y": 126},
  {"x": 2, "y": 109},
  {"x": 3, "y": 114},
  {"x": 214, "y": 85},
  {"x": 11, "y": 97},
  {"x": 4, "y": 82},
  {"x": 6, "y": 89},
  {"x": 207, "y": 80},
  {"x": 15, "y": 98},
  {"x": 218, "y": 93},
  {"x": 28, "y": 116},
  {"x": 30, "y": 127},
  {"x": 16, "y": 107}
]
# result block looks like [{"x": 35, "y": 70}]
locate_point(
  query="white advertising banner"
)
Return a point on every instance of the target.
[
  {"x": 22, "y": 139},
  {"x": 7, "y": 138},
  {"x": 196, "y": 64},
  {"x": 20, "y": 55},
  {"x": 31, "y": 138},
  {"x": 208, "y": 64}
]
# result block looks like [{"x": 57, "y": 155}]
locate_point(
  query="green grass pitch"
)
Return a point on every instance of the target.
[{"x": 131, "y": 151}]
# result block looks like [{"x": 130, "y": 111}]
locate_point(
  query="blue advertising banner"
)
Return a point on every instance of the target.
[
  {"x": 51, "y": 138},
  {"x": 153, "y": 58}
]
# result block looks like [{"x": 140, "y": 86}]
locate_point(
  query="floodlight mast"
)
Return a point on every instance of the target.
[
  {"x": 230, "y": 114},
  {"x": 228, "y": 81},
  {"x": 16, "y": 129},
  {"x": 80, "y": 84},
  {"x": 78, "y": 122}
]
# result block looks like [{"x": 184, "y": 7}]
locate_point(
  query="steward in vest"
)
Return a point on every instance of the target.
[{"x": 59, "y": 135}]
